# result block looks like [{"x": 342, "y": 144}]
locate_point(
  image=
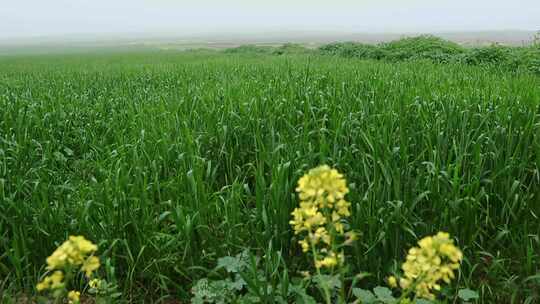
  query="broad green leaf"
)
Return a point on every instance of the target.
[
  {"x": 301, "y": 296},
  {"x": 467, "y": 294},
  {"x": 384, "y": 294},
  {"x": 332, "y": 282},
  {"x": 231, "y": 264},
  {"x": 365, "y": 296},
  {"x": 239, "y": 282}
]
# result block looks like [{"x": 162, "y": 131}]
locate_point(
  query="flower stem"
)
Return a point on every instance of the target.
[{"x": 322, "y": 283}]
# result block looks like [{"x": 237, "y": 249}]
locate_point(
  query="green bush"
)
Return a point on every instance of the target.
[
  {"x": 494, "y": 54},
  {"x": 291, "y": 48},
  {"x": 511, "y": 58},
  {"x": 353, "y": 50},
  {"x": 255, "y": 49},
  {"x": 438, "y": 50},
  {"x": 527, "y": 58},
  {"x": 422, "y": 47}
]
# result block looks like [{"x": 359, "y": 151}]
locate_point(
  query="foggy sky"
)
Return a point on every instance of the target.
[{"x": 30, "y": 18}]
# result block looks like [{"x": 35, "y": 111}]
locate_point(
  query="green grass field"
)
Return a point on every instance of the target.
[{"x": 171, "y": 160}]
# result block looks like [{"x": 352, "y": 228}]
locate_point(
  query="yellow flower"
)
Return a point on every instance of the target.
[
  {"x": 434, "y": 260},
  {"x": 323, "y": 185},
  {"x": 307, "y": 219},
  {"x": 404, "y": 283},
  {"x": 329, "y": 261},
  {"x": 304, "y": 244},
  {"x": 57, "y": 259},
  {"x": 392, "y": 281},
  {"x": 320, "y": 216},
  {"x": 74, "y": 297},
  {"x": 54, "y": 281},
  {"x": 95, "y": 283},
  {"x": 91, "y": 264},
  {"x": 83, "y": 245},
  {"x": 73, "y": 251},
  {"x": 313, "y": 219},
  {"x": 343, "y": 208},
  {"x": 339, "y": 227},
  {"x": 42, "y": 286}
]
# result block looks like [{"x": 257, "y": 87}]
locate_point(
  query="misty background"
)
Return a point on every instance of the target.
[{"x": 240, "y": 21}]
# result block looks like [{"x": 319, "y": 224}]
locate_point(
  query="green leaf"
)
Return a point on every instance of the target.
[
  {"x": 467, "y": 294},
  {"x": 223, "y": 286},
  {"x": 235, "y": 264},
  {"x": 206, "y": 291},
  {"x": 239, "y": 282},
  {"x": 423, "y": 301},
  {"x": 384, "y": 294},
  {"x": 301, "y": 296},
  {"x": 231, "y": 264},
  {"x": 202, "y": 289},
  {"x": 197, "y": 300},
  {"x": 365, "y": 296},
  {"x": 332, "y": 282},
  {"x": 305, "y": 299}
]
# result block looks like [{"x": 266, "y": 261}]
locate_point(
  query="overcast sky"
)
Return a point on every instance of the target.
[{"x": 28, "y": 18}]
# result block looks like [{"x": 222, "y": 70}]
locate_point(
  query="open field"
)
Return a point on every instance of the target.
[{"x": 171, "y": 160}]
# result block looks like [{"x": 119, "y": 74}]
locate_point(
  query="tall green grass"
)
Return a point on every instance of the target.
[{"x": 172, "y": 160}]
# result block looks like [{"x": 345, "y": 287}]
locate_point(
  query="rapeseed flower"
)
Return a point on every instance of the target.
[
  {"x": 90, "y": 265},
  {"x": 329, "y": 261},
  {"x": 433, "y": 261},
  {"x": 94, "y": 283},
  {"x": 323, "y": 186},
  {"x": 320, "y": 215},
  {"x": 392, "y": 281},
  {"x": 74, "y": 297},
  {"x": 72, "y": 257},
  {"x": 74, "y": 251},
  {"x": 54, "y": 281}
]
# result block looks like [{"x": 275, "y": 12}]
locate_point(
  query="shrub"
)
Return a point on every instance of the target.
[
  {"x": 493, "y": 54},
  {"x": 438, "y": 50},
  {"x": 353, "y": 50},
  {"x": 290, "y": 48},
  {"x": 422, "y": 47},
  {"x": 254, "y": 49},
  {"x": 528, "y": 58}
]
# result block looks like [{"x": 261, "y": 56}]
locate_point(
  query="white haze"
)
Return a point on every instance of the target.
[{"x": 34, "y": 18}]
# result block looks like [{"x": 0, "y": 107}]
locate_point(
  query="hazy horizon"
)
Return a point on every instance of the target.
[{"x": 27, "y": 19}]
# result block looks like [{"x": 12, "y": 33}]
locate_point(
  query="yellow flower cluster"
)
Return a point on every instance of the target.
[
  {"x": 74, "y": 297},
  {"x": 54, "y": 281},
  {"x": 433, "y": 261},
  {"x": 95, "y": 283},
  {"x": 322, "y": 207},
  {"x": 76, "y": 251}
]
